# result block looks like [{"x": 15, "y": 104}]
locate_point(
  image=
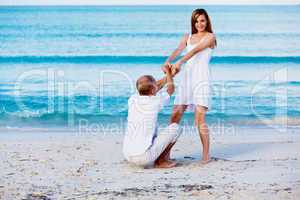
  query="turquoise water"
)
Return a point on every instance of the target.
[{"x": 60, "y": 65}]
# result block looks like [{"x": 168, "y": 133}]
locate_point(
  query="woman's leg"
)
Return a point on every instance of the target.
[
  {"x": 178, "y": 111},
  {"x": 200, "y": 122}
]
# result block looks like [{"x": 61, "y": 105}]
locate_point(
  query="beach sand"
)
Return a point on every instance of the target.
[{"x": 255, "y": 163}]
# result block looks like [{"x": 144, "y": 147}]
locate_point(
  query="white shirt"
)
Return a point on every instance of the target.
[{"x": 142, "y": 122}]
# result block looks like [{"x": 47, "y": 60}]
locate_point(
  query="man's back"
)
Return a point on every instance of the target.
[{"x": 142, "y": 122}]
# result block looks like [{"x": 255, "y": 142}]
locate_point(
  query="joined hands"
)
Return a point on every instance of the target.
[{"x": 172, "y": 69}]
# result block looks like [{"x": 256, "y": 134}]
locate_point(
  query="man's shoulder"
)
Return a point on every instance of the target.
[
  {"x": 152, "y": 100},
  {"x": 163, "y": 94},
  {"x": 133, "y": 96}
]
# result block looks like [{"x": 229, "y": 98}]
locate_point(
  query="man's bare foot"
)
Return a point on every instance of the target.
[
  {"x": 168, "y": 158},
  {"x": 165, "y": 164}
]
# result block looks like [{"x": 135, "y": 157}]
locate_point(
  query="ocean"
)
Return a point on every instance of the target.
[{"x": 62, "y": 67}]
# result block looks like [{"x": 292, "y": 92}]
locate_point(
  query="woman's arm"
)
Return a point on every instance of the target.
[
  {"x": 176, "y": 52},
  {"x": 207, "y": 43}
]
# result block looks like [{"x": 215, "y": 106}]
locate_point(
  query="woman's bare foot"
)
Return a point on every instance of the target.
[
  {"x": 205, "y": 161},
  {"x": 165, "y": 164}
]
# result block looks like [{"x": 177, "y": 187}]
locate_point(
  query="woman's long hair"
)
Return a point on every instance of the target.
[{"x": 196, "y": 13}]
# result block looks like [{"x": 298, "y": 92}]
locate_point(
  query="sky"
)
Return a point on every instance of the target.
[{"x": 145, "y": 2}]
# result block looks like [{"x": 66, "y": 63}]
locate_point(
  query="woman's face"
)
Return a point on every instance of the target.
[{"x": 201, "y": 23}]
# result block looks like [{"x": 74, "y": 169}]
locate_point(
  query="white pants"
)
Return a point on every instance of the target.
[{"x": 160, "y": 143}]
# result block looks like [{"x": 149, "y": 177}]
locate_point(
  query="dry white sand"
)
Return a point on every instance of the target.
[{"x": 254, "y": 163}]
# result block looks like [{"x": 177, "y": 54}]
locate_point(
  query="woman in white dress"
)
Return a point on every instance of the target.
[{"x": 194, "y": 88}]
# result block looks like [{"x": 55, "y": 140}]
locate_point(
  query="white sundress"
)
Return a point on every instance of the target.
[{"x": 194, "y": 84}]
